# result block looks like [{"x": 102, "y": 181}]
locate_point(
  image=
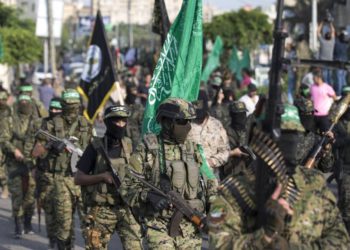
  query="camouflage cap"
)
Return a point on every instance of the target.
[
  {"x": 290, "y": 119},
  {"x": 3, "y": 95},
  {"x": 26, "y": 88},
  {"x": 24, "y": 98},
  {"x": 237, "y": 107},
  {"x": 117, "y": 111},
  {"x": 304, "y": 105},
  {"x": 70, "y": 96},
  {"x": 176, "y": 108}
]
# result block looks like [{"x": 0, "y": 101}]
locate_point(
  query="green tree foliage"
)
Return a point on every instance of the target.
[
  {"x": 20, "y": 45},
  {"x": 244, "y": 29}
]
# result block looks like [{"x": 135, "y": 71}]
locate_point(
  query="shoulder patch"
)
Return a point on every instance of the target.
[{"x": 151, "y": 141}]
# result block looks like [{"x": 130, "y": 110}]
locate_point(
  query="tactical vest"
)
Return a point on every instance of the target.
[
  {"x": 21, "y": 129},
  {"x": 345, "y": 151},
  {"x": 182, "y": 168},
  {"x": 102, "y": 193},
  {"x": 80, "y": 129}
]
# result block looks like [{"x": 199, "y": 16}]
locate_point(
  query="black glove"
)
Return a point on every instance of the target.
[
  {"x": 274, "y": 216},
  {"x": 278, "y": 243},
  {"x": 57, "y": 147},
  {"x": 157, "y": 201}
]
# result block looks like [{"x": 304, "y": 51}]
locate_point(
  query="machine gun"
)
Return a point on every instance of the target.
[{"x": 343, "y": 107}]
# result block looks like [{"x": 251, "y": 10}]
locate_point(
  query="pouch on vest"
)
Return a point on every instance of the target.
[
  {"x": 178, "y": 176},
  {"x": 119, "y": 165},
  {"x": 192, "y": 182}
]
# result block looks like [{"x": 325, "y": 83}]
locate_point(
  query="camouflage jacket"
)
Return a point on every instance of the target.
[
  {"x": 342, "y": 143},
  {"x": 316, "y": 223},
  {"x": 221, "y": 112},
  {"x": 135, "y": 123},
  {"x": 326, "y": 161},
  {"x": 213, "y": 138},
  {"x": 182, "y": 169}
]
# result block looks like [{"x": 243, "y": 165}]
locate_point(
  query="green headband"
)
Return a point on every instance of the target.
[
  {"x": 346, "y": 89},
  {"x": 55, "y": 104},
  {"x": 26, "y": 88},
  {"x": 70, "y": 95},
  {"x": 306, "y": 91},
  {"x": 24, "y": 98}
]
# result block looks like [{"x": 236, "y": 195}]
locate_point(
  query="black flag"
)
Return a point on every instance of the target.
[
  {"x": 160, "y": 23},
  {"x": 98, "y": 77}
]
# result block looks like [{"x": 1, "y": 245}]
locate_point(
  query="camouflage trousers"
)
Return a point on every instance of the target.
[
  {"x": 45, "y": 182},
  {"x": 66, "y": 200},
  {"x": 22, "y": 188},
  {"x": 158, "y": 237},
  {"x": 102, "y": 221},
  {"x": 3, "y": 175},
  {"x": 344, "y": 197}
]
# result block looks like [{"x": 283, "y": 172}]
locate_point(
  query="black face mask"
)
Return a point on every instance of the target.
[
  {"x": 130, "y": 99},
  {"x": 201, "y": 114},
  {"x": 308, "y": 122},
  {"x": 291, "y": 145},
  {"x": 54, "y": 114},
  {"x": 71, "y": 112},
  {"x": 175, "y": 132},
  {"x": 113, "y": 131},
  {"x": 239, "y": 121}
]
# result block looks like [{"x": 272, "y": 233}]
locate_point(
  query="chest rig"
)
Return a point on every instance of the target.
[
  {"x": 21, "y": 126},
  {"x": 177, "y": 167},
  {"x": 103, "y": 193},
  {"x": 61, "y": 164}
]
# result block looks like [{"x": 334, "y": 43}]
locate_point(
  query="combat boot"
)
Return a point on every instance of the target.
[
  {"x": 18, "y": 227},
  {"x": 28, "y": 229},
  {"x": 5, "y": 192}
]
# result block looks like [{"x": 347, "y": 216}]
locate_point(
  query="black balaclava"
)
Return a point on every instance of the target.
[
  {"x": 131, "y": 95},
  {"x": 114, "y": 132},
  {"x": 238, "y": 120},
  {"x": 202, "y": 108},
  {"x": 175, "y": 132},
  {"x": 291, "y": 145},
  {"x": 308, "y": 122}
]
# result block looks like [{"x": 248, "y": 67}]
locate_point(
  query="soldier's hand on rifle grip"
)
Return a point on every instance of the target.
[
  {"x": 18, "y": 155},
  {"x": 58, "y": 147},
  {"x": 157, "y": 201}
]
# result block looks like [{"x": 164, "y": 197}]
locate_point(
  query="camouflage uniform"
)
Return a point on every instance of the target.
[
  {"x": 45, "y": 181},
  {"x": 316, "y": 223},
  {"x": 342, "y": 147},
  {"x": 135, "y": 123},
  {"x": 5, "y": 111},
  {"x": 325, "y": 161},
  {"x": 163, "y": 161},
  {"x": 221, "y": 112},
  {"x": 106, "y": 212},
  {"x": 18, "y": 133},
  {"x": 67, "y": 196},
  {"x": 212, "y": 136}
]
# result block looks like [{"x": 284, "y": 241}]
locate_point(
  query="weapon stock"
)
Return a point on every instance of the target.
[
  {"x": 343, "y": 106},
  {"x": 183, "y": 209}
]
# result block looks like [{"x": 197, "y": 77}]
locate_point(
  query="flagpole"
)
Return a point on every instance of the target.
[{"x": 119, "y": 94}]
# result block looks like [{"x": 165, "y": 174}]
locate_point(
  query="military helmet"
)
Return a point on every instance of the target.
[
  {"x": 237, "y": 107},
  {"x": 304, "y": 105},
  {"x": 4, "y": 95},
  {"x": 176, "y": 108},
  {"x": 117, "y": 111},
  {"x": 70, "y": 96},
  {"x": 290, "y": 119}
]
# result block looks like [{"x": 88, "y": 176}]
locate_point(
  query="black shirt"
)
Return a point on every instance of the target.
[{"x": 87, "y": 162}]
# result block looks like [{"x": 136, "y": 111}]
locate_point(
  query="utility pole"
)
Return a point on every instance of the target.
[
  {"x": 313, "y": 40},
  {"x": 52, "y": 50},
  {"x": 131, "y": 37}
]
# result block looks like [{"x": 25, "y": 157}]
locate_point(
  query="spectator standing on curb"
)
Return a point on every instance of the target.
[{"x": 341, "y": 54}]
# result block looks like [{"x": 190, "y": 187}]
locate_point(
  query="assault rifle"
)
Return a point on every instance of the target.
[
  {"x": 343, "y": 107},
  {"x": 183, "y": 209},
  {"x": 69, "y": 145}
]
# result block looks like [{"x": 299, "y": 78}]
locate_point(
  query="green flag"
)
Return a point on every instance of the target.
[
  {"x": 213, "y": 59},
  {"x": 234, "y": 64},
  {"x": 179, "y": 67},
  {"x": 245, "y": 62},
  {"x": 1, "y": 49}
]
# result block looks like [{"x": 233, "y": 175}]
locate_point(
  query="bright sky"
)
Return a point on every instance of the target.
[{"x": 236, "y": 4}]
